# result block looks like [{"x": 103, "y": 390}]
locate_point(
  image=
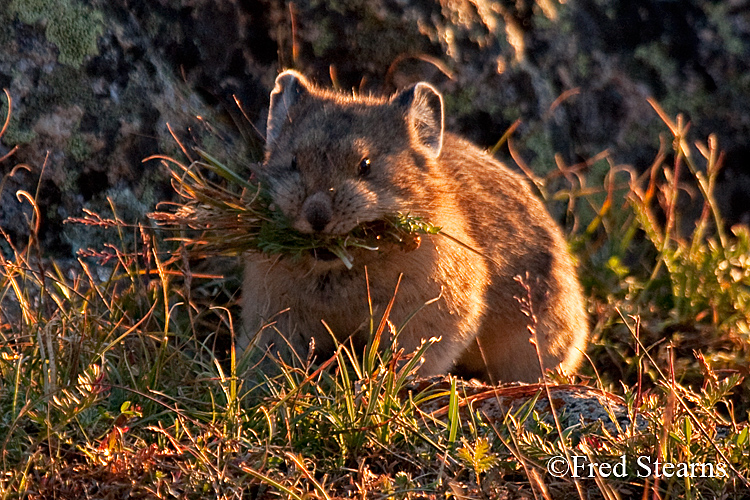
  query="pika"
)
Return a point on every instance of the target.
[{"x": 334, "y": 161}]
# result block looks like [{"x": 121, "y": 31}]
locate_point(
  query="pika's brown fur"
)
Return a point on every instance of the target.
[{"x": 334, "y": 161}]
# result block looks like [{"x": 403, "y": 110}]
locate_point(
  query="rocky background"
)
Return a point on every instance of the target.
[{"x": 94, "y": 83}]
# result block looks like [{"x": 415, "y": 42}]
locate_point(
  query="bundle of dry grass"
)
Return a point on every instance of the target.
[{"x": 237, "y": 217}]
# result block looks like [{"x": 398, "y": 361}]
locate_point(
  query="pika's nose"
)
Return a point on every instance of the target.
[{"x": 317, "y": 211}]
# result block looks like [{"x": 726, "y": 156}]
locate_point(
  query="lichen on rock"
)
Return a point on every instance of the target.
[{"x": 72, "y": 26}]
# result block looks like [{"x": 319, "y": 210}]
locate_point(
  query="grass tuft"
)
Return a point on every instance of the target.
[
  {"x": 239, "y": 217},
  {"x": 118, "y": 377}
]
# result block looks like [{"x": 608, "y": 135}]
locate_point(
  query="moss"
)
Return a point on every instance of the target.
[
  {"x": 16, "y": 134},
  {"x": 75, "y": 33},
  {"x": 71, "y": 26},
  {"x": 70, "y": 86},
  {"x": 70, "y": 178},
  {"x": 65, "y": 86},
  {"x": 78, "y": 148},
  {"x": 31, "y": 11}
]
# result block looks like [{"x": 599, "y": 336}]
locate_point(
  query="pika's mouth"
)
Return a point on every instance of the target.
[{"x": 323, "y": 254}]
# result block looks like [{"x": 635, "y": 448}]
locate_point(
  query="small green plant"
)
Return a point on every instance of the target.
[
  {"x": 709, "y": 272},
  {"x": 477, "y": 456}
]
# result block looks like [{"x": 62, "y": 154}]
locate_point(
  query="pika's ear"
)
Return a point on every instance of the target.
[
  {"x": 290, "y": 86},
  {"x": 424, "y": 105}
]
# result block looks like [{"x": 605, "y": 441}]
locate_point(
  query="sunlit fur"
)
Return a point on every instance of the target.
[{"x": 317, "y": 140}]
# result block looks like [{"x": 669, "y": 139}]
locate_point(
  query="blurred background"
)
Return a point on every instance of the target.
[{"x": 94, "y": 84}]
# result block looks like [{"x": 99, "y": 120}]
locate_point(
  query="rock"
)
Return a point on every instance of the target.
[
  {"x": 576, "y": 406},
  {"x": 93, "y": 95},
  {"x": 94, "y": 83}
]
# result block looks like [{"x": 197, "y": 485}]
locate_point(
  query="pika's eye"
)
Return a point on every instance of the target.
[
  {"x": 364, "y": 167},
  {"x": 293, "y": 165}
]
